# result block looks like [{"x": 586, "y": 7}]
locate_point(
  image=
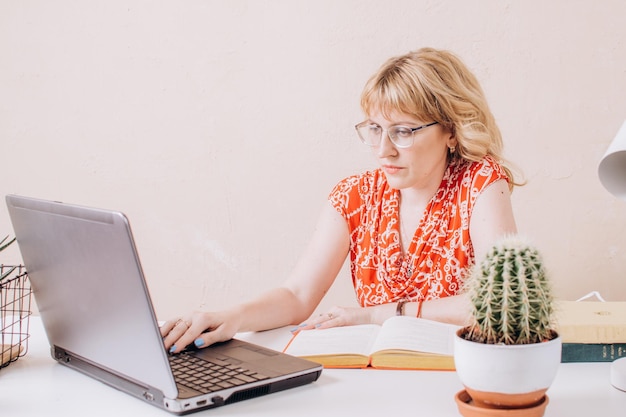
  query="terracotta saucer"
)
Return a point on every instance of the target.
[{"x": 467, "y": 408}]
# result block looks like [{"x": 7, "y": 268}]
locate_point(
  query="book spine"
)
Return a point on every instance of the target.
[{"x": 592, "y": 352}]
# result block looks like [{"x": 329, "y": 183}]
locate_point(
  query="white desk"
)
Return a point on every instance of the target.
[{"x": 36, "y": 385}]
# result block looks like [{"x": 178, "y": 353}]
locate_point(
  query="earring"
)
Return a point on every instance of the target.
[{"x": 452, "y": 149}]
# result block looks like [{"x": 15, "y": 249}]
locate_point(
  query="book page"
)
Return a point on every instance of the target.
[
  {"x": 410, "y": 333},
  {"x": 336, "y": 340}
]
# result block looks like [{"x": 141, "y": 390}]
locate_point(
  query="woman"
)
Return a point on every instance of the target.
[{"x": 412, "y": 227}]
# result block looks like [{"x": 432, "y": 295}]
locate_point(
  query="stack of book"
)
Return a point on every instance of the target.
[{"x": 592, "y": 331}]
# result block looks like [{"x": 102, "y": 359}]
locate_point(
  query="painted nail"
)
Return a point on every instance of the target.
[
  {"x": 298, "y": 327},
  {"x": 173, "y": 348},
  {"x": 198, "y": 342}
]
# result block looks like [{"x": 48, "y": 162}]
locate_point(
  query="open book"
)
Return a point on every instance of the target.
[{"x": 401, "y": 342}]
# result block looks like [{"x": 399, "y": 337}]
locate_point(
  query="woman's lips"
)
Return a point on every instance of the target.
[{"x": 391, "y": 169}]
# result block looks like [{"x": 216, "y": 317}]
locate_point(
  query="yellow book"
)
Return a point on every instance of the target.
[
  {"x": 591, "y": 321},
  {"x": 401, "y": 342}
]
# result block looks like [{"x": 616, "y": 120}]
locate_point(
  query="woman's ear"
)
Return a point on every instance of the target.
[{"x": 452, "y": 142}]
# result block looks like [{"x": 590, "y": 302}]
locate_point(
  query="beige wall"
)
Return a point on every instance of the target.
[{"x": 219, "y": 127}]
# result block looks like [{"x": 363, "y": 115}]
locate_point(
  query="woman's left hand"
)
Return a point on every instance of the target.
[{"x": 336, "y": 317}]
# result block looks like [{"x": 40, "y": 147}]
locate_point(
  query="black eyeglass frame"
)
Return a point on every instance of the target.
[{"x": 412, "y": 129}]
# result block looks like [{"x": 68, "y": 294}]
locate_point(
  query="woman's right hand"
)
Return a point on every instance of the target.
[{"x": 200, "y": 329}]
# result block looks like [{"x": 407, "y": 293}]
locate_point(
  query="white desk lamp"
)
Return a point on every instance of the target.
[{"x": 612, "y": 173}]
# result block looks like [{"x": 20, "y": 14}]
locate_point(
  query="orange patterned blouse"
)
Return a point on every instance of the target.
[{"x": 441, "y": 249}]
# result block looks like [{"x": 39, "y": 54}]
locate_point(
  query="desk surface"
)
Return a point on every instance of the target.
[{"x": 36, "y": 385}]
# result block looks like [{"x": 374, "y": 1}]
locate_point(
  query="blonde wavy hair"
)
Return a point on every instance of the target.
[{"x": 436, "y": 85}]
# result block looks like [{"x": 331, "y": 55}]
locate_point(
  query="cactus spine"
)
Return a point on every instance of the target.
[{"x": 511, "y": 296}]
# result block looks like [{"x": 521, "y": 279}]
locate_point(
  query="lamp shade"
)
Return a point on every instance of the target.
[{"x": 612, "y": 168}]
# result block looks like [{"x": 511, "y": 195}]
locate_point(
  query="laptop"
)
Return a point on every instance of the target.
[{"x": 99, "y": 319}]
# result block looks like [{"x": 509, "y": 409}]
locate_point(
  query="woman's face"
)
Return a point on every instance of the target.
[{"x": 420, "y": 165}]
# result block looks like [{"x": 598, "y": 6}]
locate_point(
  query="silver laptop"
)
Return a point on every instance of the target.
[{"x": 99, "y": 319}]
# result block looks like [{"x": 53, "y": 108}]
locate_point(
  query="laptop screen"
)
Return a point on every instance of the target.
[{"x": 90, "y": 289}]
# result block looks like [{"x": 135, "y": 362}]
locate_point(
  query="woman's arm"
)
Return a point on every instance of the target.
[
  {"x": 308, "y": 283},
  {"x": 310, "y": 280},
  {"x": 492, "y": 218},
  {"x": 453, "y": 309}
]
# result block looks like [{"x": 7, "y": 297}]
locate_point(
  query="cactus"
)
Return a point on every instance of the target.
[{"x": 511, "y": 296}]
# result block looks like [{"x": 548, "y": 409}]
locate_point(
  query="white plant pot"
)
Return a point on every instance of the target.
[{"x": 506, "y": 375}]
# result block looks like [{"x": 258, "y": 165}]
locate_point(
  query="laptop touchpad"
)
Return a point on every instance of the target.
[{"x": 247, "y": 354}]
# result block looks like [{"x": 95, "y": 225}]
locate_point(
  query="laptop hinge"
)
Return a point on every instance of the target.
[{"x": 108, "y": 377}]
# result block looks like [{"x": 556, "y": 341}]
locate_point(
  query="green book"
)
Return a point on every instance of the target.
[{"x": 592, "y": 352}]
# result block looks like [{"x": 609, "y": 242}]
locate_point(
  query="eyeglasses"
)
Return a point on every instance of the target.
[{"x": 371, "y": 134}]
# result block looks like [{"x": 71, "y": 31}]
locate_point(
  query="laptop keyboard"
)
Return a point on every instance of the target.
[{"x": 205, "y": 376}]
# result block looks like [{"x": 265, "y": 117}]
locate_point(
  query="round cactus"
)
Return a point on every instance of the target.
[{"x": 511, "y": 296}]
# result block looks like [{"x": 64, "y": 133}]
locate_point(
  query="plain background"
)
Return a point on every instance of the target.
[{"x": 219, "y": 127}]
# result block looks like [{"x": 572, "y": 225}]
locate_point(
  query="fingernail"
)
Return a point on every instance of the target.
[
  {"x": 198, "y": 342},
  {"x": 318, "y": 325},
  {"x": 173, "y": 348},
  {"x": 298, "y": 327}
]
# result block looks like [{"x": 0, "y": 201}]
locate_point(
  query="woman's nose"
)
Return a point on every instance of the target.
[{"x": 386, "y": 146}]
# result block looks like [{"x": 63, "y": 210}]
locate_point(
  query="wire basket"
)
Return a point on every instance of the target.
[{"x": 15, "y": 300}]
